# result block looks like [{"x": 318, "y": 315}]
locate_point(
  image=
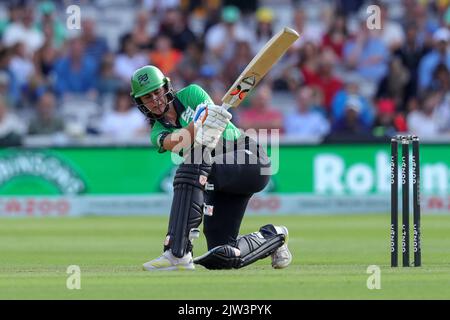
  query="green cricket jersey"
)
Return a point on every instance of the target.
[{"x": 185, "y": 102}]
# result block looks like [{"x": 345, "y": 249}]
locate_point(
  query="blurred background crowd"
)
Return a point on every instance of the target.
[{"x": 339, "y": 81}]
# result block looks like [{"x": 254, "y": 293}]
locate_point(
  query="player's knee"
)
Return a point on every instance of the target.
[
  {"x": 192, "y": 174},
  {"x": 261, "y": 182}
]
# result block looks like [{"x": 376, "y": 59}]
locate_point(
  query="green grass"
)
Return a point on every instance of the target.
[{"x": 331, "y": 255}]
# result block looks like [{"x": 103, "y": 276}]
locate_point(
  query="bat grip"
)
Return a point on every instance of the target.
[{"x": 226, "y": 106}]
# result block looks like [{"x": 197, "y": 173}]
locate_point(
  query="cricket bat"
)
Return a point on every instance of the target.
[{"x": 259, "y": 66}]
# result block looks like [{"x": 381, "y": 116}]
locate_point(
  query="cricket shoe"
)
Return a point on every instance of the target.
[
  {"x": 282, "y": 257},
  {"x": 167, "y": 262}
]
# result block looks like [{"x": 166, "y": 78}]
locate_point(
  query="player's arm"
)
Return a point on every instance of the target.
[
  {"x": 208, "y": 123},
  {"x": 180, "y": 139},
  {"x": 206, "y": 127},
  {"x": 166, "y": 139}
]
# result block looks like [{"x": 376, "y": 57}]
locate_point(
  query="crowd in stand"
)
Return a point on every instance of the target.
[{"x": 340, "y": 80}]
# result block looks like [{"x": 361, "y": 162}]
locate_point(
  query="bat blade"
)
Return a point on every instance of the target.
[{"x": 259, "y": 66}]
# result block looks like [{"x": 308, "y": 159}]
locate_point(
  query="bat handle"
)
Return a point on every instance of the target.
[{"x": 226, "y": 106}]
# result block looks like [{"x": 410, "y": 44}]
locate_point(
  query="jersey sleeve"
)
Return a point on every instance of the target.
[
  {"x": 193, "y": 95},
  {"x": 157, "y": 136}
]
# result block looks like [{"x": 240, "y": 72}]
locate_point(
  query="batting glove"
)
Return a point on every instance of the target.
[{"x": 210, "y": 122}]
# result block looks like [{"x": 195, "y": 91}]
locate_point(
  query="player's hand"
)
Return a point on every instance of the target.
[
  {"x": 208, "y": 137},
  {"x": 210, "y": 122},
  {"x": 211, "y": 116},
  {"x": 218, "y": 117}
]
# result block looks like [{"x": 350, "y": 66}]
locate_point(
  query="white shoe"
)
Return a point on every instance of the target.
[
  {"x": 167, "y": 261},
  {"x": 282, "y": 257}
]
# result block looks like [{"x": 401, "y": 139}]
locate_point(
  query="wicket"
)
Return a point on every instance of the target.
[{"x": 405, "y": 182}]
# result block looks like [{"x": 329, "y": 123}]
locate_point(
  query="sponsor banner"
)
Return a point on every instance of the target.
[
  {"x": 123, "y": 205},
  {"x": 307, "y": 204},
  {"x": 325, "y": 170},
  {"x": 268, "y": 204},
  {"x": 39, "y": 206}
]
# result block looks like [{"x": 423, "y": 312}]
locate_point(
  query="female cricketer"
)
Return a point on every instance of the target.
[{"x": 220, "y": 171}]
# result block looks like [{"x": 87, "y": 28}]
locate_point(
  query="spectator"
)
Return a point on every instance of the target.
[
  {"x": 394, "y": 83},
  {"x": 441, "y": 78},
  {"x": 221, "y": 38},
  {"x": 443, "y": 113},
  {"x": 392, "y": 33},
  {"x": 142, "y": 33},
  {"x": 5, "y": 69},
  {"x": 164, "y": 56},
  {"x": 324, "y": 78},
  {"x": 129, "y": 60},
  {"x": 95, "y": 46},
  {"x": 175, "y": 26},
  {"x": 202, "y": 18},
  {"x": 108, "y": 81},
  {"x": 76, "y": 71},
  {"x": 417, "y": 12},
  {"x": 24, "y": 31},
  {"x": 125, "y": 122},
  {"x": 304, "y": 122},
  {"x": 54, "y": 31},
  {"x": 260, "y": 114},
  {"x": 350, "y": 125},
  {"x": 337, "y": 33},
  {"x": 238, "y": 63},
  {"x": 159, "y": 7},
  {"x": 318, "y": 102},
  {"x": 14, "y": 16},
  {"x": 21, "y": 65},
  {"x": 446, "y": 17},
  {"x": 214, "y": 85},
  {"x": 410, "y": 54},
  {"x": 42, "y": 79},
  {"x": 217, "y": 89},
  {"x": 44, "y": 61},
  {"x": 247, "y": 7},
  {"x": 440, "y": 54},
  {"x": 46, "y": 121},
  {"x": 349, "y": 6},
  {"x": 310, "y": 31},
  {"x": 191, "y": 63},
  {"x": 367, "y": 54},
  {"x": 424, "y": 122},
  {"x": 4, "y": 85},
  {"x": 309, "y": 59},
  {"x": 351, "y": 93},
  {"x": 12, "y": 128},
  {"x": 263, "y": 30},
  {"x": 387, "y": 123},
  {"x": 216, "y": 62}
]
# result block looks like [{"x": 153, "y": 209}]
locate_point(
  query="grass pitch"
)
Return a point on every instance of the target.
[{"x": 331, "y": 256}]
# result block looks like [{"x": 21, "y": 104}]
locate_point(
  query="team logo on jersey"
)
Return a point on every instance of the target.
[{"x": 188, "y": 114}]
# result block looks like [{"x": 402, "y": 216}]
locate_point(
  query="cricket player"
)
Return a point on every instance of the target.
[{"x": 216, "y": 187}]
